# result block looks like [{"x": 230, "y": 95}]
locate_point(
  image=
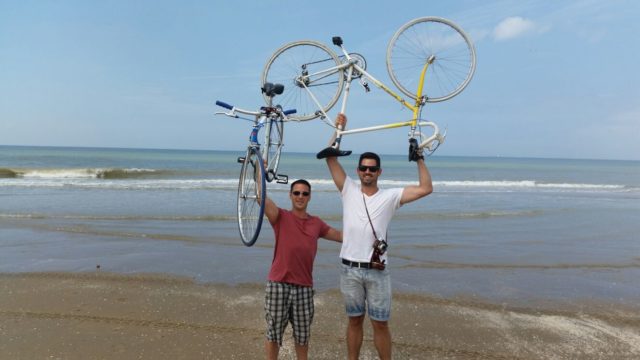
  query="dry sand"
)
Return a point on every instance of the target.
[{"x": 110, "y": 316}]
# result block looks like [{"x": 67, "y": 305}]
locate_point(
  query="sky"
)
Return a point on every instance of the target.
[{"x": 554, "y": 79}]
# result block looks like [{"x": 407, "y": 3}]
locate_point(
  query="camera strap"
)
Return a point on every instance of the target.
[{"x": 369, "y": 217}]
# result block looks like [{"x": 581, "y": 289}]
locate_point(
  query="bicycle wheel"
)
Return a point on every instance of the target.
[
  {"x": 305, "y": 70},
  {"x": 453, "y": 55},
  {"x": 273, "y": 147},
  {"x": 251, "y": 192}
]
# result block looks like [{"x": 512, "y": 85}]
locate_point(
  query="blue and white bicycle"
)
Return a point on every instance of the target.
[{"x": 260, "y": 163}]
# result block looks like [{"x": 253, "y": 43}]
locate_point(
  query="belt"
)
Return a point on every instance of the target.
[{"x": 363, "y": 265}]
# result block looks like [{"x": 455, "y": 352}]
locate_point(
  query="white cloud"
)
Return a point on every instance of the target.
[{"x": 512, "y": 27}]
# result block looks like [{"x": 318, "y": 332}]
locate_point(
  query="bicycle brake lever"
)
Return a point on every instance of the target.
[{"x": 230, "y": 114}]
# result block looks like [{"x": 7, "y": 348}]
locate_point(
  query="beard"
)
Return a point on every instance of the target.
[{"x": 367, "y": 180}]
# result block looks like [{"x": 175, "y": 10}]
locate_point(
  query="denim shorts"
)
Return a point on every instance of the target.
[{"x": 366, "y": 289}]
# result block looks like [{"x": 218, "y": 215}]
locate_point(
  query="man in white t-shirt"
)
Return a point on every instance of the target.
[{"x": 367, "y": 211}]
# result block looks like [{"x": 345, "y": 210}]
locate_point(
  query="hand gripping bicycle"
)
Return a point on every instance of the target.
[
  {"x": 431, "y": 55},
  {"x": 260, "y": 164}
]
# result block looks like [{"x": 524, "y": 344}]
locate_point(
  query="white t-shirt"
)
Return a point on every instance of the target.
[{"x": 357, "y": 236}]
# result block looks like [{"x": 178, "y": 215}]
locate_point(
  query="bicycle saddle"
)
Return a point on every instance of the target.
[
  {"x": 331, "y": 152},
  {"x": 272, "y": 90}
]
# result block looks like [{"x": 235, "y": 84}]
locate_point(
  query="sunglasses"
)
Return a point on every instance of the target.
[
  {"x": 298, "y": 193},
  {"x": 364, "y": 168}
]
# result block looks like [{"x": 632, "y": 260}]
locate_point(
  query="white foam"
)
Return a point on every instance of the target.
[
  {"x": 92, "y": 178},
  {"x": 59, "y": 174},
  {"x": 79, "y": 173},
  {"x": 93, "y": 183}
]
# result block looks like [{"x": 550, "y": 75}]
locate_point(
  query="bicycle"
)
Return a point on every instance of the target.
[
  {"x": 260, "y": 164},
  {"x": 318, "y": 76}
]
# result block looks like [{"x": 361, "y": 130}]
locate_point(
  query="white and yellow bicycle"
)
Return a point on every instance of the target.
[{"x": 430, "y": 54}]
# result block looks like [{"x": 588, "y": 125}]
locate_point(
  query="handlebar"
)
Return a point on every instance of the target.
[
  {"x": 436, "y": 136},
  {"x": 224, "y": 105},
  {"x": 247, "y": 112}
]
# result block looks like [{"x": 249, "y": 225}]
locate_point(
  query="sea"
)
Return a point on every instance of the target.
[{"x": 503, "y": 230}]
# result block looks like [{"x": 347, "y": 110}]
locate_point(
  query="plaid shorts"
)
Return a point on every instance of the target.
[{"x": 286, "y": 303}]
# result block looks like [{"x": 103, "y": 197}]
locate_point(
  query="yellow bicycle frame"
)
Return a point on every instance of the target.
[{"x": 414, "y": 108}]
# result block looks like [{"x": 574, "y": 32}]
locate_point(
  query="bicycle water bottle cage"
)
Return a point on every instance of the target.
[
  {"x": 272, "y": 90},
  {"x": 337, "y": 40}
]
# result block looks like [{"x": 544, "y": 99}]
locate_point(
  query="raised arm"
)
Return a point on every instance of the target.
[
  {"x": 270, "y": 208},
  {"x": 336, "y": 170},
  {"x": 424, "y": 187}
]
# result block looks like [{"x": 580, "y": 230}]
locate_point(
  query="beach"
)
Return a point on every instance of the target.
[
  {"x": 149, "y": 316},
  {"x": 135, "y": 254}
]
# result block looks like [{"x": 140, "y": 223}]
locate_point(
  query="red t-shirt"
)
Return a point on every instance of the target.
[{"x": 296, "y": 247}]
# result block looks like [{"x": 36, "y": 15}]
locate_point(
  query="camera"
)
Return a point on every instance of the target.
[{"x": 380, "y": 246}]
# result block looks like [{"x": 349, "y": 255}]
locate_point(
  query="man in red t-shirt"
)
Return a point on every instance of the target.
[{"x": 289, "y": 292}]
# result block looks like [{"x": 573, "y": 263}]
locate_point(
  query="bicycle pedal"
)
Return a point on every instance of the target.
[
  {"x": 282, "y": 179},
  {"x": 240, "y": 159},
  {"x": 331, "y": 152}
]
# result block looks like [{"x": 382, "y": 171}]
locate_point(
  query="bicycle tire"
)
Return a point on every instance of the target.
[
  {"x": 273, "y": 147},
  {"x": 250, "y": 207},
  {"x": 289, "y": 63},
  {"x": 415, "y": 42}
]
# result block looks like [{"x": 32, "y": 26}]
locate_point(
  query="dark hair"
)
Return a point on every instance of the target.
[
  {"x": 369, "y": 155},
  {"x": 300, "y": 181}
]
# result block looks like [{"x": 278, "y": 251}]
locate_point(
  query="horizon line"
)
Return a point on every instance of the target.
[{"x": 304, "y": 152}]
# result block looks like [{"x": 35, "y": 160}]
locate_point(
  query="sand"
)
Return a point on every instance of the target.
[{"x": 110, "y": 316}]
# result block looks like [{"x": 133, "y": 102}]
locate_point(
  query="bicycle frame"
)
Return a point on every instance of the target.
[
  {"x": 267, "y": 118},
  {"x": 350, "y": 67}
]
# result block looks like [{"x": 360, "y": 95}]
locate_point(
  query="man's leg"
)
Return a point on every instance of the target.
[
  {"x": 379, "y": 307},
  {"x": 382, "y": 338},
  {"x": 302, "y": 312},
  {"x": 352, "y": 288},
  {"x": 272, "y": 349},
  {"x": 277, "y": 298},
  {"x": 354, "y": 336},
  {"x": 302, "y": 351}
]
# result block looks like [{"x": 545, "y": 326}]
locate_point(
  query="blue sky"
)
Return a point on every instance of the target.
[{"x": 554, "y": 78}]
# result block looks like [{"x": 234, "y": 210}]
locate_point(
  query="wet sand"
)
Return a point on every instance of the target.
[{"x": 110, "y": 316}]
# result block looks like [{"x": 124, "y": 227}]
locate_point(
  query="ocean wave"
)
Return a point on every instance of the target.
[
  {"x": 38, "y": 216},
  {"x": 7, "y": 173},
  {"x": 140, "y": 178},
  {"x": 160, "y": 184},
  {"x": 468, "y": 215},
  {"x": 521, "y": 184},
  {"x": 128, "y": 173},
  {"x": 83, "y": 173},
  {"x": 503, "y": 185}
]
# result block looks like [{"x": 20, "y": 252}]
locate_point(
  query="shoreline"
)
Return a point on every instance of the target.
[{"x": 98, "y": 315}]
